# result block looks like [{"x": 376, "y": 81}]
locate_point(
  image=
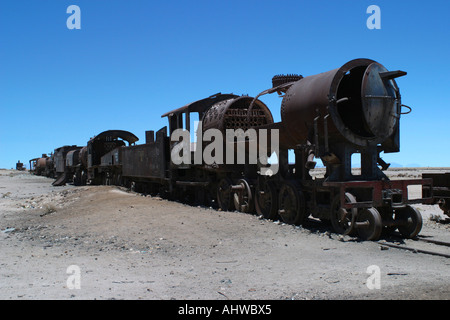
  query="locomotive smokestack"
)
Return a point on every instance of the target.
[{"x": 280, "y": 79}]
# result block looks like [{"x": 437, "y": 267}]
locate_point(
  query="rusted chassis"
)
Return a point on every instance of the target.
[
  {"x": 371, "y": 207},
  {"x": 439, "y": 191},
  {"x": 367, "y": 209}
]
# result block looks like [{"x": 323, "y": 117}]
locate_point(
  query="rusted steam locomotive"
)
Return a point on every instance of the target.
[{"x": 352, "y": 109}]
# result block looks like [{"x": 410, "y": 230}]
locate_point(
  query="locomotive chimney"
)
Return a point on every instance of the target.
[{"x": 149, "y": 136}]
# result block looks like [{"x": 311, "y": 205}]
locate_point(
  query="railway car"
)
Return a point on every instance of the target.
[
  {"x": 60, "y": 165},
  {"x": 20, "y": 166},
  {"x": 43, "y": 166},
  {"x": 150, "y": 167},
  {"x": 439, "y": 191},
  {"x": 103, "y": 155}
]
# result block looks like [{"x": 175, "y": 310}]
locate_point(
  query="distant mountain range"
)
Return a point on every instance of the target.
[{"x": 394, "y": 165}]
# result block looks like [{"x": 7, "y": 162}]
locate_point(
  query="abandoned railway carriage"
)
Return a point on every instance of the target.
[
  {"x": 352, "y": 109},
  {"x": 439, "y": 191}
]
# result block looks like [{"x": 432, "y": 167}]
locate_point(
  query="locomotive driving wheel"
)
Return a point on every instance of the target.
[
  {"x": 292, "y": 204},
  {"x": 409, "y": 221},
  {"x": 83, "y": 177},
  {"x": 369, "y": 224},
  {"x": 266, "y": 200},
  {"x": 341, "y": 219},
  {"x": 76, "y": 178},
  {"x": 243, "y": 197},
  {"x": 224, "y": 194}
]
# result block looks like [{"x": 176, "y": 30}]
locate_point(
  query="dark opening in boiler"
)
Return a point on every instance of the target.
[{"x": 350, "y": 109}]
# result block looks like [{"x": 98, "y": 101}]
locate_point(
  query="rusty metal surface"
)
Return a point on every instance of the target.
[
  {"x": 106, "y": 142},
  {"x": 112, "y": 158},
  {"x": 83, "y": 157},
  {"x": 100, "y": 145},
  {"x": 441, "y": 184},
  {"x": 233, "y": 114},
  {"x": 200, "y": 105},
  {"x": 111, "y": 135},
  {"x": 60, "y": 180},
  {"x": 147, "y": 160},
  {"x": 281, "y": 79},
  {"x": 439, "y": 191},
  {"x": 338, "y": 93},
  {"x": 42, "y": 166},
  {"x": 19, "y": 166},
  {"x": 393, "y": 192},
  {"x": 73, "y": 158},
  {"x": 32, "y": 163},
  {"x": 354, "y": 109},
  {"x": 60, "y": 157},
  {"x": 41, "y": 163},
  {"x": 380, "y": 107}
]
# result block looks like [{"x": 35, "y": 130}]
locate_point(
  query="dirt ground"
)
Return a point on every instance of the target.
[{"x": 104, "y": 242}]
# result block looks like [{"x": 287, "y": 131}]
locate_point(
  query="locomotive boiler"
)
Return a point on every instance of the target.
[{"x": 43, "y": 166}]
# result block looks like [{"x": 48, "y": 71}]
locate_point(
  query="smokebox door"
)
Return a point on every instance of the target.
[{"x": 379, "y": 101}]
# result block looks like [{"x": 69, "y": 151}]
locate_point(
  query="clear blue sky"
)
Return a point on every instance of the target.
[{"x": 134, "y": 60}]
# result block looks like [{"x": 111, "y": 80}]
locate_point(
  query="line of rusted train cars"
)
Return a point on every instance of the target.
[{"x": 352, "y": 109}]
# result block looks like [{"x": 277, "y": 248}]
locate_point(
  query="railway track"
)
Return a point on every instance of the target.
[{"x": 423, "y": 245}]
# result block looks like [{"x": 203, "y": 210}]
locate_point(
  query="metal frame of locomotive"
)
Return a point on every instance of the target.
[
  {"x": 440, "y": 191},
  {"x": 332, "y": 115}
]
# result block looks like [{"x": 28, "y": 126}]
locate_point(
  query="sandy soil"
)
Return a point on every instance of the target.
[{"x": 129, "y": 246}]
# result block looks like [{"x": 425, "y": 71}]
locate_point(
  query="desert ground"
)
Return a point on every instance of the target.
[{"x": 106, "y": 242}]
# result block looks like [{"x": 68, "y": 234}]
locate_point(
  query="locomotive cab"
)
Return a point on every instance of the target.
[{"x": 102, "y": 144}]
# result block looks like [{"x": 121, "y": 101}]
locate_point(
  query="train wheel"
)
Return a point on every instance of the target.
[
  {"x": 292, "y": 203},
  {"x": 444, "y": 205},
  {"x": 243, "y": 198},
  {"x": 103, "y": 179},
  {"x": 341, "y": 219},
  {"x": 409, "y": 220},
  {"x": 224, "y": 194},
  {"x": 389, "y": 225},
  {"x": 77, "y": 178},
  {"x": 83, "y": 178},
  {"x": 107, "y": 179},
  {"x": 119, "y": 180},
  {"x": 266, "y": 200},
  {"x": 369, "y": 224}
]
